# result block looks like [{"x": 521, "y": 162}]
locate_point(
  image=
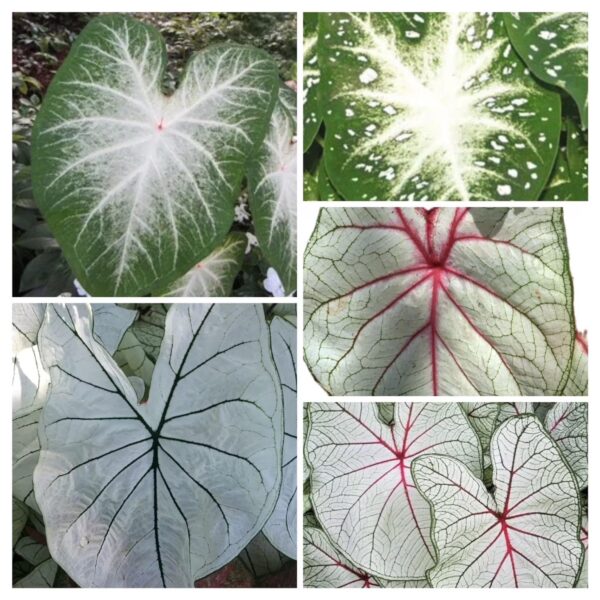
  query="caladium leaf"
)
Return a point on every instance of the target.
[
  {"x": 527, "y": 535},
  {"x": 432, "y": 106},
  {"x": 272, "y": 190},
  {"x": 325, "y": 567},
  {"x": 483, "y": 417},
  {"x": 361, "y": 486},
  {"x": 135, "y": 186},
  {"x": 311, "y": 191},
  {"x": 261, "y": 558},
  {"x": 311, "y": 74},
  {"x": 19, "y": 519},
  {"x": 31, "y": 384},
  {"x": 213, "y": 275},
  {"x": 133, "y": 360},
  {"x": 441, "y": 302},
  {"x": 386, "y": 412},
  {"x": 26, "y": 322},
  {"x": 555, "y": 47},
  {"x": 326, "y": 189},
  {"x": 567, "y": 423},
  {"x": 280, "y": 528},
  {"x": 161, "y": 493},
  {"x": 149, "y": 328},
  {"x": 512, "y": 409},
  {"x": 398, "y": 583},
  {"x": 37, "y": 555},
  {"x": 569, "y": 179},
  {"x": 577, "y": 385}
]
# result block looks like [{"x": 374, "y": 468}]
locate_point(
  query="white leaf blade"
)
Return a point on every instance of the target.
[
  {"x": 162, "y": 497},
  {"x": 324, "y": 567},
  {"x": 349, "y": 448},
  {"x": 527, "y": 536},
  {"x": 471, "y": 295},
  {"x": 567, "y": 423},
  {"x": 280, "y": 528}
]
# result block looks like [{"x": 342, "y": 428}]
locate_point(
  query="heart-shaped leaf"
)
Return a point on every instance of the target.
[
  {"x": 165, "y": 492},
  {"x": 432, "y": 106},
  {"x": 361, "y": 484},
  {"x": 555, "y": 47},
  {"x": 272, "y": 190},
  {"x": 526, "y": 535},
  {"x": 137, "y": 187},
  {"x": 441, "y": 302}
]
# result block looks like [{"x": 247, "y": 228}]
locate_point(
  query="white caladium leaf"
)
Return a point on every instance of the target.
[
  {"x": 386, "y": 412},
  {"x": 165, "y": 492},
  {"x": 440, "y": 302},
  {"x": 577, "y": 385},
  {"x": 286, "y": 311},
  {"x": 567, "y": 423},
  {"x": 311, "y": 75},
  {"x": 135, "y": 186},
  {"x": 432, "y": 106},
  {"x": 37, "y": 555},
  {"x": 398, "y": 583},
  {"x": 149, "y": 328},
  {"x": 513, "y": 409},
  {"x": 483, "y": 417},
  {"x": 361, "y": 485},
  {"x": 280, "y": 528},
  {"x": 110, "y": 324},
  {"x": 526, "y": 535},
  {"x": 261, "y": 558},
  {"x": 19, "y": 519},
  {"x": 133, "y": 360},
  {"x": 213, "y": 275},
  {"x": 26, "y": 322},
  {"x": 272, "y": 190},
  {"x": 555, "y": 47},
  {"x": 325, "y": 567},
  {"x": 31, "y": 383}
]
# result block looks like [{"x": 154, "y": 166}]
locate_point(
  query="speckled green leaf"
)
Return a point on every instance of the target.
[
  {"x": 312, "y": 111},
  {"x": 310, "y": 187},
  {"x": 555, "y": 47},
  {"x": 326, "y": 189},
  {"x": 569, "y": 179},
  {"x": 432, "y": 106}
]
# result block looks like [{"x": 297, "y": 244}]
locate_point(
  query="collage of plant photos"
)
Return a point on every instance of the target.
[{"x": 195, "y": 338}]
